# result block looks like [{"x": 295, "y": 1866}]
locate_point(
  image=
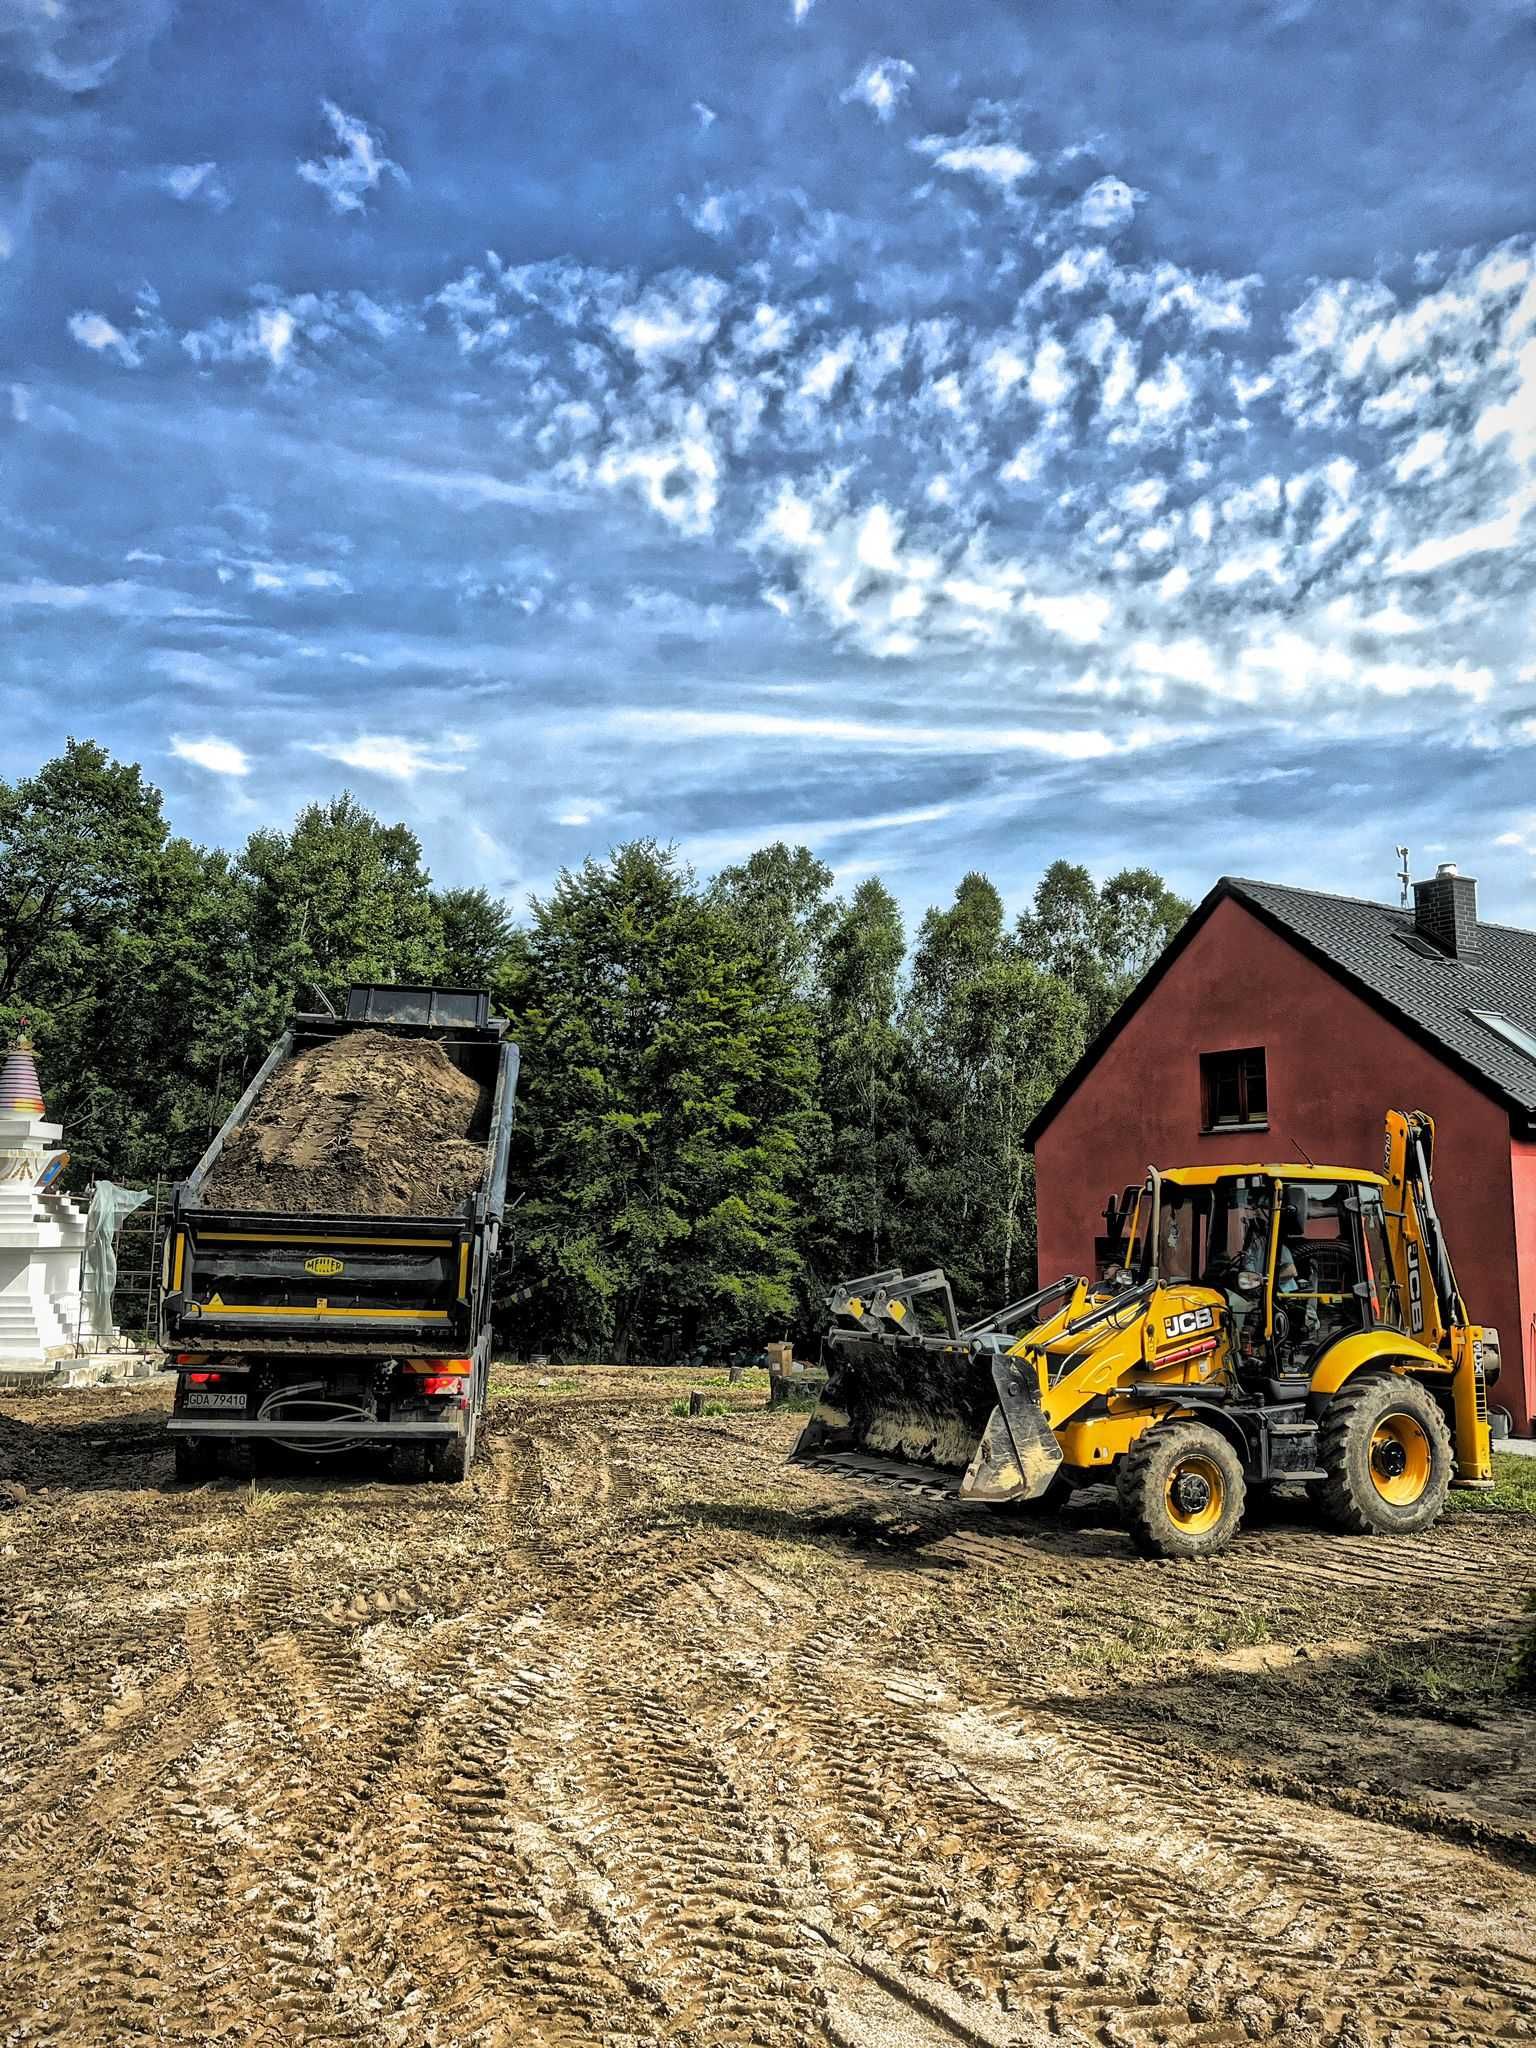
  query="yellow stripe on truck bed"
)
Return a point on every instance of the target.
[
  {"x": 408, "y": 1315},
  {"x": 300, "y": 1237}
]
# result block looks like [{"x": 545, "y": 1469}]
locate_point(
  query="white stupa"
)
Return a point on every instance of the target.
[{"x": 42, "y": 1232}]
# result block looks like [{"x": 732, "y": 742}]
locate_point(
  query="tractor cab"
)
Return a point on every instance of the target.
[{"x": 1299, "y": 1255}]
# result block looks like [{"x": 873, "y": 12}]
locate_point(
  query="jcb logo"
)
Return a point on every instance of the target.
[
  {"x": 1415, "y": 1289},
  {"x": 322, "y": 1268},
  {"x": 1189, "y": 1324}
]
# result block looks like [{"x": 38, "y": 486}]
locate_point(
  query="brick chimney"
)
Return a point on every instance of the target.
[{"x": 1445, "y": 912}]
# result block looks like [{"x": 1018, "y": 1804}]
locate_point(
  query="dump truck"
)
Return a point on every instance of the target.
[
  {"x": 1253, "y": 1326},
  {"x": 329, "y": 1261}
]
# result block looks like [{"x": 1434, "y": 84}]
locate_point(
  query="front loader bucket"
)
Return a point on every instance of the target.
[
  {"x": 1018, "y": 1455},
  {"x": 898, "y": 1399},
  {"x": 950, "y": 1399}
]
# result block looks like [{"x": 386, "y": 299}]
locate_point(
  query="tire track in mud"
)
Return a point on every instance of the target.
[
  {"x": 1086, "y": 1891},
  {"x": 639, "y": 1739}
]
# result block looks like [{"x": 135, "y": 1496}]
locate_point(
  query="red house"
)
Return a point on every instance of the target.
[{"x": 1280, "y": 1024}]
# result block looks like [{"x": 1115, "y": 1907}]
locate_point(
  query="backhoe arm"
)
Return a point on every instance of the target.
[{"x": 1432, "y": 1307}]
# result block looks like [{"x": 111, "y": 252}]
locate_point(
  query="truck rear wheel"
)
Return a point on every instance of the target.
[
  {"x": 410, "y": 1463},
  {"x": 451, "y": 1461},
  {"x": 195, "y": 1459},
  {"x": 1387, "y": 1452},
  {"x": 1181, "y": 1490},
  {"x": 237, "y": 1457}
]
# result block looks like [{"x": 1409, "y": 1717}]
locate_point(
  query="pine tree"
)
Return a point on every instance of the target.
[{"x": 668, "y": 1086}]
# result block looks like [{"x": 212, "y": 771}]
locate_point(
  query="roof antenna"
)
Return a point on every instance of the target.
[
  {"x": 1404, "y": 883},
  {"x": 1304, "y": 1153}
]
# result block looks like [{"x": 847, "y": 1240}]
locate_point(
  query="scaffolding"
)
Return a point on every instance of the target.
[{"x": 140, "y": 1284}]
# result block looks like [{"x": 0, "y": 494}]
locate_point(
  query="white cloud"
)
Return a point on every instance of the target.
[
  {"x": 882, "y": 85},
  {"x": 274, "y": 334},
  {"x": 401, "y": 760},
  {"x": 1002, "y": 164},
  {"x": 676, "y": 324},
  {"x": 280, "y": 580},
  {"x": 680, "y": 480},
  {"x": 705, "y": 115},
  {"x": 219, "y": 757},
  {"x": 347, "y": 178},
  {"x": 1083, "y": 744},
  {"x": 1489, "y": 536},
  {"x": 801, "y": 8},
  {"x": 1108, "y": 204},
  {"x": 1080, "y": 617},
  {"x": 94, "y": 331},
  {"x": 199, "y": 182}
]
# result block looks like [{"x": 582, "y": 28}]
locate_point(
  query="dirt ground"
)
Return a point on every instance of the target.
[
  {"x": 363, "y": 1125},
  {"x": 642, "y": 1737}
]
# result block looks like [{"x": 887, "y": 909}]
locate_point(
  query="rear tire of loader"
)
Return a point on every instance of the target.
[
  {"x": 1181, "y": 1489},
  {"x": 410, "y": 1463},
  {"x": 1387, "y": 1451}
]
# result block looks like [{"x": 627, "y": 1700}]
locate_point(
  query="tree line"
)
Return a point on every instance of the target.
[{"x": 735, "y": 1089}]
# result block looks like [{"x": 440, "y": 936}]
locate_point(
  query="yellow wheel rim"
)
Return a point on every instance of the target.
[
  {"x": 1401, "y": 1460},
  {"x": 1196, "y": 1495}
]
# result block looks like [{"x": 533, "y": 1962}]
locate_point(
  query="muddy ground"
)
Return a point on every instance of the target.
[
  {"x": 640, "y": 1737},
  {"x": 362, "y": 1125}
]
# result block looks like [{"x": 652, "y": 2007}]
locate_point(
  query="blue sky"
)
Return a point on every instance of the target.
[{"x": 949, "y": 437}]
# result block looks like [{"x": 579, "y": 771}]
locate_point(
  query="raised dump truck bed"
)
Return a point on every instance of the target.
[{"x": 330, "y": 1259}]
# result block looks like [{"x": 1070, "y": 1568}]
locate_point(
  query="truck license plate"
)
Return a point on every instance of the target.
[{"x": 200, "y": 1397}]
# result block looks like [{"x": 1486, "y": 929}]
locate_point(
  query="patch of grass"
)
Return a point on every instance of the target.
[
  {"x": 680, "y": 1407},
  {"x": 502, "y": 1389},
  {"x": 1514, "y": 1490},
  {"x": 1456, "y": 1672},
  {"x": 1246, "y": 1633}
]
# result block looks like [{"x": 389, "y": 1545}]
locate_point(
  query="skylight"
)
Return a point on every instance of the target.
[{"x": 1513, "y": 1034}]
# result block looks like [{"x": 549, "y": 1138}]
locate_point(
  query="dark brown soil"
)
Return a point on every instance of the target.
[{"x": 365, "y": 1125}]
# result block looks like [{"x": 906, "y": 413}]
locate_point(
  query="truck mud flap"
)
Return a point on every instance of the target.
[{"x": 1018, "y": 1455}]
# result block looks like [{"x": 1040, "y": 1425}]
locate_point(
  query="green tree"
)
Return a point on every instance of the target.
[
  {"x": 480, "y": 937},
  {"x": 990, "y": 1034},
  {"x": 780, "y": 898},
  {"x": 1099, "y": 941},
  {"x": 339, "y": 898},
  {"x": 78, "y": 843},
  {"x": 861, "y": 1179},
  {"x": 125, "y": 950},
  {"x": 668, "y": 1087}
]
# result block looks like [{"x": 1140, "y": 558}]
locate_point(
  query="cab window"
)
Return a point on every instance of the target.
[{"x": 1320, "y": 1243}]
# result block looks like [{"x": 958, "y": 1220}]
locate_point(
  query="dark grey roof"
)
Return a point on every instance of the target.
[
  {"x": 1429, "y": 992},
  {"x": 1373, "y": 949}
]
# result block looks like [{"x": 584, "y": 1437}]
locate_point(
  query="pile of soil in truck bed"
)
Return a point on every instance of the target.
[{"x": 364, "y": 1125}]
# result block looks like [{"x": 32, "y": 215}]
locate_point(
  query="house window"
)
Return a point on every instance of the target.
[{"x": 1234, "y": 1090}]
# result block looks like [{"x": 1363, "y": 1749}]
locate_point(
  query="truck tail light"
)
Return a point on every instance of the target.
[
  {"x": 442, "y": 1383},
  {"x": 204, "y": 1379}
]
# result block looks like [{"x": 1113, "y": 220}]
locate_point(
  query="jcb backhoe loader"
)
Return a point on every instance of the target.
[{"x": 1259, "y": 1324}]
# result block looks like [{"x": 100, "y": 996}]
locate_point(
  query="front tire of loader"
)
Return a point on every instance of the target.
[
  {"x": 1181, "y": 1489},
  {"x": 1387, "y": 1451}
]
